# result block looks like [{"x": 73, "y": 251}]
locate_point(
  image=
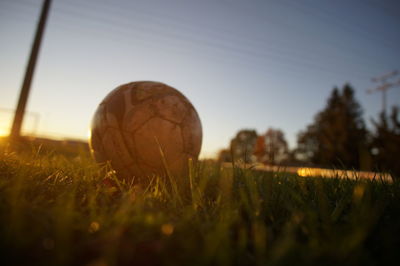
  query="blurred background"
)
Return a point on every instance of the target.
[{"x": 252, "y": 66}]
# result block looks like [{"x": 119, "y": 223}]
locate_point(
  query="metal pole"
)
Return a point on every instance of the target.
[
  {"x": 384, "y": 100},
  {"x": 384, "y": 87},
  {"x": 23, "y": 96}
]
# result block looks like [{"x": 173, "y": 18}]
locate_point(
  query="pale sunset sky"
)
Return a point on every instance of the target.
[{"x": 242, "y": 63}]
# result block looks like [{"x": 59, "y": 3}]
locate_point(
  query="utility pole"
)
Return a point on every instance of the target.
[
  {"x": 30, "y": 69},
  {"x": 384, "y": 86}
]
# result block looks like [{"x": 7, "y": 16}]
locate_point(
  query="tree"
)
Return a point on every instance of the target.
[
  {"x": 337, "y": 137},
  {"x": 224, "y": 156},
  {"x": 260, "y": 150},
  {"x": 242, "y": 146},
  {"x": 277, "y": 148},
  {"x": 271, "y": 147},
  {"x": 386, "y": 142}
]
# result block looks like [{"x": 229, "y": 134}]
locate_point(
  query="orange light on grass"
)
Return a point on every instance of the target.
[
  {"x": 334, "y": 173},
  {"x": 167, "y": 229},
  {"x": 94, "y": 227}
]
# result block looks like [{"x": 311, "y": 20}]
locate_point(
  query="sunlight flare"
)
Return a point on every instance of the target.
[{"x": 4, "y": 132}]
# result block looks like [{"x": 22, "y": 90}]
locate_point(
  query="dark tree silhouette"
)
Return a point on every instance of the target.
[
  {"x": 224, "y": 156},
  {"x": 337, "y": 137},
  {"x": 276, "y": 144},
  {"x": 271, "y": 148},
  {"x": 242, "y": 146},
  {"x": 386, "y": 142},
  {"x": 260, "y": 150}
]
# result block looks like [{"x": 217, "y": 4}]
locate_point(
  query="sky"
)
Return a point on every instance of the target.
[{"x": 242, "y": 63}]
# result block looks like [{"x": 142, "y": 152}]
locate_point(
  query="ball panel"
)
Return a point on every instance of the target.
[
  {"x": 171, "y": 107},
  {"x": 192, "y": 133},
  {"x": 137, "y": 116},
  {"x": 115, "y": 108},
  {"x": 114, "y": 92},
  {"x": 155, "y": 134},
  {"x": 179, "y": 167},
  {"x": 134, "y": 171},
  {"x": 138, "y": 168},
  {"x": 148, "y": 170},
  {"x": 116, "y": 149},
  {"x": 96, "y": 147},
  {"x": 147, "y": 89},
  {"x": 112, "y": 121},
  {"x": 137, "y": 119},
  {"x": 99, "y": 123}
]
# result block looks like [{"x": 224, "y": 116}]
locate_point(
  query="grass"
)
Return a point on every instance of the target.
[{"x": 65, "y": 210}]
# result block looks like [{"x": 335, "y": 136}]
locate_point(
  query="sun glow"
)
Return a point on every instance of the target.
[
  {"x": 3, "y": 132},
  {"x": 89, "y": 133}
]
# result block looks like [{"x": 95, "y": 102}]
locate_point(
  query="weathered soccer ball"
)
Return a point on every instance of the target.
[{"x": 144, "y": 128}]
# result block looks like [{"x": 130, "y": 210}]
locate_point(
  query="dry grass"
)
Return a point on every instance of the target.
[{"x": 65, "y": 210}]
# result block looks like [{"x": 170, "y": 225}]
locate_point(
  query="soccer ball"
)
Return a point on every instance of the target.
[{"x": 145, "y": 129}]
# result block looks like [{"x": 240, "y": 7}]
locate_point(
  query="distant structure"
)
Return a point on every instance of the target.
[
  {"x": 385, "y": 85},
  {"x": 30, "y": 69},
  {"x": 32, "y": 117}
]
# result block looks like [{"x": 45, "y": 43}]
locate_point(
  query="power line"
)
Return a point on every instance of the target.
[
  {"x": 389, "y": 11},
  {"x": 96, "y": 32},
  {"x": 229, "y": 43},
  {"x": 122, "y": 26},
  {"x": 349, "y": 27},
  {"x": 184, "y": 24},
  {"x": 385, "y": 77},
  {"x": 220, "y": 46},
  {"x": 294, "y": 27},
  {"x": 279, "y": 51}
]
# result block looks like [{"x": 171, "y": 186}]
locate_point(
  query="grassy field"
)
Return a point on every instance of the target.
[{"x": 63, "y": 209}]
